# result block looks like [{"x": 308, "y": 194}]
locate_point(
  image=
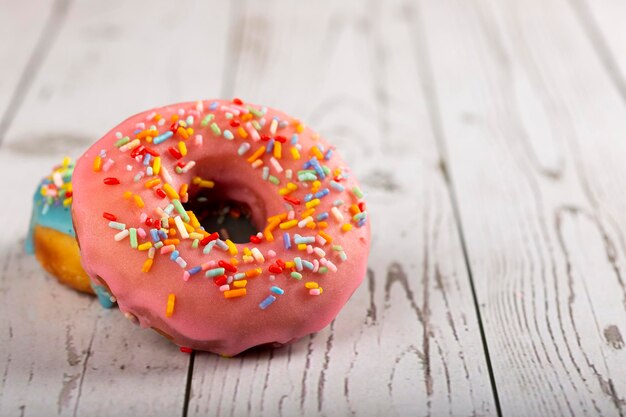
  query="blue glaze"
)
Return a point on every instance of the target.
[{"x": 48, "y": 213}]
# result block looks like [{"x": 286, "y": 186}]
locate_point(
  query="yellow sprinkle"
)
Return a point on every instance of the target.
[
  {"x": 156, "y": 165},
  {"x": 316, "y": 186},
  {"x": 196, "y": 180},
  {"x": 127, "y": 195},
  {"x": 239, "y": 292},
  {"x": 189, "y": 131},
  {"x": 290, "y": 264},
  {"x": 289, "y": 224},
  {"x": 170, "y": 192},
  {"x": 195, "y": 223},
  {"x": 247, "y": 252},
  {"x": 147, "y": 265},
  {"x": 171, "y": 300},
  {"x": 326, "y": 237},
  {"x": 182, "y": 148},
  {"x": 260, "y": 151},
  {"x": 240, "y": 284},
  {"x": 291, "y": 186},
  {"x": 206, "y": 184},
  {"x": 269, "y": 236},
  {"x": 152, "y": 182},
  {"x": 189, "y": 228},
  {"x": 234, "y": 261},
  {"x": 66, "y": 161},
  {"x": 300, "y": 128},
  {"x": 278, "y": 150},
  {"x": 280, "y": 217},
  {"x": 346, "y": 227},
  {"x": 182, "y": 132},
  {"x": 67, "y": 202},
  {"x": 307, "y": 213},
  {"x": 138, "y": 201},
  {"x": 311, "y": 285},
  {"x": 232, "y": 248},
  {"x": 313, "y": 203},
  {"x": 295, "y": 154},
  {"x": 302, "y": 246},
  {"x": 97, "y": 163},
  {"x": 145, "y": 246}
]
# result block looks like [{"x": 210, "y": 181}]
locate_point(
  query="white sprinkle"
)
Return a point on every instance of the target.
[
  {"x": 181, "y": 227},
  {"x": 121, "y": 235}
]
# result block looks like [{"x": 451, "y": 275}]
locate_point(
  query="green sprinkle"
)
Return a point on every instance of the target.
[
  {"x": 158, "y": 245},
  {"x": 194, "y": 244},
  {"x": 326, "y": 170},
  {"x": 322, "y": 270},
  {"x": 296, "y": 275},
  {"x": 274, "y": 180},
  {"x": 256, "y": 112},
  {"x": 122, "y": 142},
  {"x": 181, "y": 210},
  {"x": 256, "y": 125},
  {"x": 133, "y": 237},
  {"x": 337, "y": 248},
  {"x": 216, "y": 129},
  {"x": 357, "y": 192},
  {"x": 207, "y": 119}
]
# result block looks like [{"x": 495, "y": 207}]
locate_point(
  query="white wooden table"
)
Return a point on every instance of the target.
[{"x": 489, "y": 134}]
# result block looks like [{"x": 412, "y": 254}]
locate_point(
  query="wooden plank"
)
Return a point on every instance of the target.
[
  {"x": 407, "y": 343},
  {"x": 534, "y": 128},
  {"x": 21, "y": 51},
  {"x": 62, "y": 353}
]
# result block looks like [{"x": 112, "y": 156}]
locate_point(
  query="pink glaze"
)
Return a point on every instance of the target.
[{"x": 203, "y": 318}]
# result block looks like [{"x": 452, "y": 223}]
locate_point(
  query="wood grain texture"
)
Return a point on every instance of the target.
[
  {"x": 534, "y": 130},
  {"x": 61, "y": 353},
  {"x": 407, "y": 342}
]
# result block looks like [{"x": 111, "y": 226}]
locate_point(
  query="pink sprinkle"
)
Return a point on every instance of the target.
[
  {"x": 141, "y": 232},
  {"x": 107, "y": 165},
  {"x": 319, "y": 252},
  {"x": 225, "y": 287},
  {"x": 143, "y": 217},
  {"x": 252, "y": 132},
  {"x": 331, "y": 266},
  {"x": 315, "y": 291},
  {"x": 291, "y": 215},
  {"x": 271, "y": 253},
  {"x": 208, "y": 265},
  {"x": 276, "y": 165},
  {"x": 186, "y": 276},
  {"x": 309, "y": 249},
  {"x": 161, "y": 122},
  {"x": 167, "y": 249},
  {"x": 320, "y": 240},
  {"x": 272, "y": 277},
  {"x": 316, "y": 265},
  {"x": 198, "y": 140}
]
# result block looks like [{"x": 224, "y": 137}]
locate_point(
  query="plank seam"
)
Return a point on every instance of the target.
[
  {"x": 192, "y": 357},
  {"x": 427, "y": 82},
  {"x": 48, "y": 35}
]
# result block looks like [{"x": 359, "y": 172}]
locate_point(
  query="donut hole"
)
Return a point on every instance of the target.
[{"x": 219, "y": 211}]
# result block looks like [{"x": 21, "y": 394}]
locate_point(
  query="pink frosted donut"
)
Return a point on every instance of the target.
[{"x": 140, "y": 195}]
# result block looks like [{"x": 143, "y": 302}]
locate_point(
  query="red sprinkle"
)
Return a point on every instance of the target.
[
  {"x": 237, "y": 101},
  {"x": 174, "y": 152},
  {"x": 153, "y": 152},
  {"x": 109, "y": 216},
  {"x": 181, "y": 164},
  {"x": 185, "y": 349},
  {"x": 291, "y": 200},
  {"x": 139, "y": 150},
  {"x": 280, "y": 263},
  {"x": 209, "y": 238},
  {"x": 255, "y": 239},
  {"x": 69, "y": 194},
  {"x": 149, "y": 222},
  {"x": 281, "y": 139},
  {"x": 160, "y": 193},
  {"x": 234, "y": 123},
  {"x": 221, "y": 280},
  {"x": 227, "y": 266},
  {"x": 362, "y": 206},
  {"x": 174, "y": 127},
  {"x": 265, "y": 138},
  {"x": 275, "y": 269},
  {"x": 111, "y": 181}
]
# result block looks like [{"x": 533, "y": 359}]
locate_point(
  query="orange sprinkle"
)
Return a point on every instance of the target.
[
  {"x": 182, "y": 132},
  {"x": 147, "y": 132},
  {"x": 171, "y": 241},
  {"x": 171, "y": 300},
  {"x": 326, "y": 237},
  {"x": 97, "y": 163},
  {"x": 242, "y": 132},
  {"x": 299, "y": 128},
  {"x": 239, "y": 292},
  {"x": 152, "y": 182},
  {"x": 346, "y": 227},
  {"x": 280, "y": 217},
  {"x": 257, "y": 154},
  {"x": 127, "y": 195},
  {"x": 354, "y": 209},
  {"x": 307, "y": 213},
  {"x": 251, "y": 273},
  {"x": 246, "y": 117},
  {"x": 174, "y": 117},
  {"x": 183, "y": 189},
  {"x": 311, "y": 225},
  {"x": 322, "y": 225},
  {"x": 316, "y": 152},
  {"x": 147, "y": 265}
]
